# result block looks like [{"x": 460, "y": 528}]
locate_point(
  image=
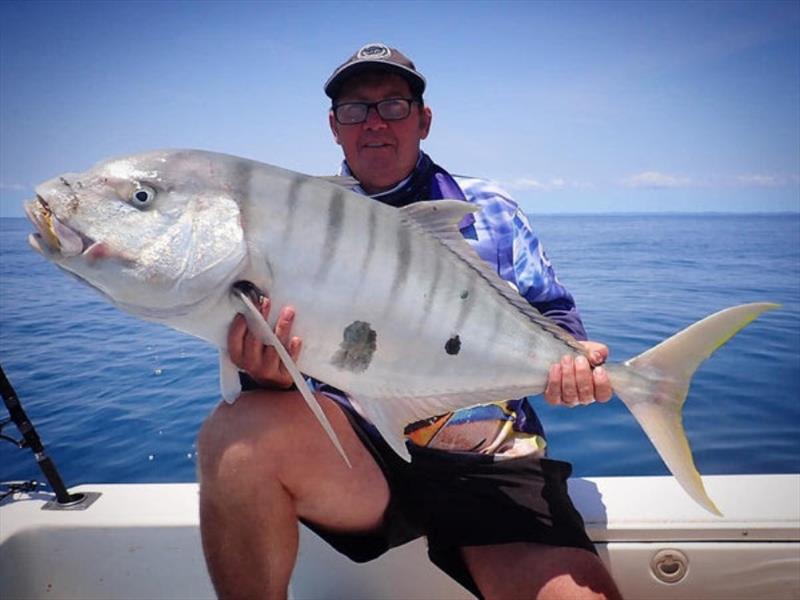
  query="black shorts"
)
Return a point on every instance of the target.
[{"x": 460, "y": 499}]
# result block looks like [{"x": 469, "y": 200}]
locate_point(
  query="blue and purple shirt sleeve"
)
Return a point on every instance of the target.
[{"x": 502, "y": 236}]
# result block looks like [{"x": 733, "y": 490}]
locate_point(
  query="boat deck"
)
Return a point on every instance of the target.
[{"x": 142, "y": 541}]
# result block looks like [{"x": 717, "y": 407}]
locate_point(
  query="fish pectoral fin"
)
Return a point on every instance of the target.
[
  {"x": 229, "y": 382},
  {"x": 258, "y": 325}
]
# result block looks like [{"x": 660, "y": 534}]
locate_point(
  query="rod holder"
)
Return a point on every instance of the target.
[{"x": 32, "y": 441}]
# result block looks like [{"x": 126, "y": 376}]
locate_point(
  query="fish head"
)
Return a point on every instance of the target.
[{"x": 158, "y": 233}]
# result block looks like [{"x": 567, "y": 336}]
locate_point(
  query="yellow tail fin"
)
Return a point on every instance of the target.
[{"x": 654, "y": 386}]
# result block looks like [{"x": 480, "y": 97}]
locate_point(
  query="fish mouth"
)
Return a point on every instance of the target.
[{"x": 53, "y": 236}]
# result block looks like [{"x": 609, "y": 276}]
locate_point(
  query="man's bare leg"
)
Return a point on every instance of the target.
[
  {"x": 264, "y": 462},
  {"x": 534, "y": 571}
]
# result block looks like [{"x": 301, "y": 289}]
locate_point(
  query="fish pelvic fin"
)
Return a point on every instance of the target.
[
  {"x": 229, "y": 382},
  {"x": 654, "y": 386},
  {"x": 390, "y": 415},
  {"x": 259, "y": 325}
]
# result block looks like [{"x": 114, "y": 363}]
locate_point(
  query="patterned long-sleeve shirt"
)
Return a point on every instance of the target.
[{"x": 502, "y": 236}]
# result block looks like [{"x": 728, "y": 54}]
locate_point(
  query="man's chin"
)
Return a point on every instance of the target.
[
  {"x": 378, "y": 156},
  {"x": 379, "y": 175}
]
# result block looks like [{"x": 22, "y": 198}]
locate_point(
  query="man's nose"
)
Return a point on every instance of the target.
[{"x": 374, "y": 119}]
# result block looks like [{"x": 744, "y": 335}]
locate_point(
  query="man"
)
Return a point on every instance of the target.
[{"x": 264, "y": 467}]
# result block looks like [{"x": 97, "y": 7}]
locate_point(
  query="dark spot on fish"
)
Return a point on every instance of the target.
[
  {"x": 453, "y": 345},
  {"x": 359, "y": 342},
  {"x": 465, "y": 294}
]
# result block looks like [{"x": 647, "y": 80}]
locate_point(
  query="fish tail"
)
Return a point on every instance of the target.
[{"x": 654, "y": 386}]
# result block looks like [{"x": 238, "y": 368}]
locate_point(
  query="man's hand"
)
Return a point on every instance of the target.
[
  {"x": 261, "y": 362},
  {"x": 573, "y": 381}
]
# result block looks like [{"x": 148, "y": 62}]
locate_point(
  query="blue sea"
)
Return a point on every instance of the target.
[{"x": 116, "y": 399}]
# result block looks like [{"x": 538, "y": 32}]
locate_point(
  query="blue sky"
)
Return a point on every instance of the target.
[{"x": 574, "y": 107}]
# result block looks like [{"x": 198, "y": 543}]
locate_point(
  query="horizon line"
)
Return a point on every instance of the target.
[{"x": 631, "y": 213}]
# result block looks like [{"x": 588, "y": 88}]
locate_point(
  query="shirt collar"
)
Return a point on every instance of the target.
[{"x": 344, "y": 169}]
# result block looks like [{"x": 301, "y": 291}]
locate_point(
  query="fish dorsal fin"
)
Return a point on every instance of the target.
[
  {"x": 344, "y": 181},
  {"x": 440, "y": 218}
]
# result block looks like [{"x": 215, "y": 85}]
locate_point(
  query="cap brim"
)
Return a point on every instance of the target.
[{"x": 334, "y": 83}]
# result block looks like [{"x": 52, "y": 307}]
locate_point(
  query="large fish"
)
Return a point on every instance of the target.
[{"x": 393, "y": 306}]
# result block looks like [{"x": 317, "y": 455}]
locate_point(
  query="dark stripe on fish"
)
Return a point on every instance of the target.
[
  {"x": 333, "y": 231},
  {"x": 291, "y": 205},
  {"x": 372, "y": 233},
  {"x": 242, "y": 173},
  {"x": 433, "y": 288},
  {"x": 403, "y": 263},
  {"x": 499, "y": 316}
]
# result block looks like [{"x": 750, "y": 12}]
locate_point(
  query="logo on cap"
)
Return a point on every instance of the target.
[{"x": 374, "y": 51}]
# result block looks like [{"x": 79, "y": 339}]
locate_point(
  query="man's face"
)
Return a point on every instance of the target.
[{"x": 380, "y": 153}]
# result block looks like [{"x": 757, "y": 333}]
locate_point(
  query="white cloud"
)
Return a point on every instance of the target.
[
  {"x": 555, "y": 183},
  {"x": 656, "y": 180},
  {"x": 761, "y": 180},
  {"x": 525, "y": 183}
]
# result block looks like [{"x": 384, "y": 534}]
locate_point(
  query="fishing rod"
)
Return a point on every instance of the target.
[{"x": 30, "y": 439}]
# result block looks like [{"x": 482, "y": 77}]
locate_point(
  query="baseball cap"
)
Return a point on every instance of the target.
[{"x": 376, "y": 56}]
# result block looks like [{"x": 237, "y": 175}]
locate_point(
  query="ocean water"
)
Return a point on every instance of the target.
[{"x": 116, "y": 399}]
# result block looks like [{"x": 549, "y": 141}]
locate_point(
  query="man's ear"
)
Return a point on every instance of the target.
[
  {"x": 334, "y": 127},
  {"x": 425, "y": 118}
]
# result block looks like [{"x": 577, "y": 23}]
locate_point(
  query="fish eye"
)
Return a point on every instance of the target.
[{"x": 143, "y": 196}]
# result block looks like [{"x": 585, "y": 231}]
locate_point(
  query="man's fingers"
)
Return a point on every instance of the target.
[
  {"x": 584, "y": 381},
  {"x": 598, "y": 353},
  {"x": 265, "y": 305},
  {"x": 236, "y": 335},
  {"x": 602, "y": 385},
  {"x": 260, "y": 361},
  {"x": 552, "y": 393},
  {"x": 252, "y": 352},
  {"x": 578, "y": 379},
  {"x": 255, "y": 352},
  {"x": 283, "y": 327},
  {"x": 294, "y": 348},
  {"x": 569, "y": 390}
]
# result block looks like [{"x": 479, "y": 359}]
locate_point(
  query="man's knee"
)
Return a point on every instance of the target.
[
  {"x": 247, "y": 435},
  {"x": 539, "y": 571}
]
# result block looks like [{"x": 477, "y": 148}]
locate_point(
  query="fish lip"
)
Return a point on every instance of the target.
[
  {"x": 53, "y": 236},
  {"x": 38, "y": 212}
]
